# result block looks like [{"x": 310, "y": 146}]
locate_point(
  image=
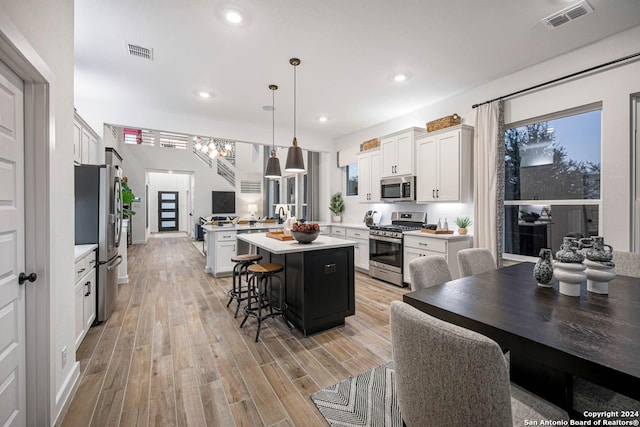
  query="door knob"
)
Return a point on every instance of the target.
[{"x": 23, "y": 278}]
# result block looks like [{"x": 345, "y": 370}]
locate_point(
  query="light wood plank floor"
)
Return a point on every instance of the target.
[{"x": 173, "y": 354}]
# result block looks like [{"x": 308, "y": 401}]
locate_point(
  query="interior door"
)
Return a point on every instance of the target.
[
  {"x": 12, "y": 255},
  {"x": 168, "y": 211}
]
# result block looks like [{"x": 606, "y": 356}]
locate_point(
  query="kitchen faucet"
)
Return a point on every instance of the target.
[{"x": 281, "y": 213}]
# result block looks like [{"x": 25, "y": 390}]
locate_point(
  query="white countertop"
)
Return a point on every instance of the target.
[
  {"x": 83, "y": 250},
  {"x": 291, "y": 246},
  {"x": 454, "y": 236},
  {"x": 359, "y": 226},
  {"x": 258, "y": 226}
]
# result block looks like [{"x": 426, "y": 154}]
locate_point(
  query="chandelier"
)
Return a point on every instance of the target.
[{"x": 214, "y": 147}]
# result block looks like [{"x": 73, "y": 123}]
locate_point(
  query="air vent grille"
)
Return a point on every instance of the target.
[
  {"x": 139, "y": 51},
  {"x": 250, "y": 187},
  {"x": 568, "y": 14},
  {"x": 148, "y": 137}
]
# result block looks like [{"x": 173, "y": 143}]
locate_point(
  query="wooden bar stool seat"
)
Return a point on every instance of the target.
[
  {"x": 264, "y": 301},
  {"x": 237, "y": 291}
]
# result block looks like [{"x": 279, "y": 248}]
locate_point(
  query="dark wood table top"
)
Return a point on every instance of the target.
[{"x": 593, "y": 336}]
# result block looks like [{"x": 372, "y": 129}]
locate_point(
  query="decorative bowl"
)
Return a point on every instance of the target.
[{"x": 305, "y": 236}]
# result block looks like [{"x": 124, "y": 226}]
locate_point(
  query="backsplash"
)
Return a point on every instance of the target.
[{"x": 354, "y": 211}]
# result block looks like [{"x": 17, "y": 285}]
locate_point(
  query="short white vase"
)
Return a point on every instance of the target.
[
  {"x": 598, "y": 276},
  {"x": 570, "y": 276}
]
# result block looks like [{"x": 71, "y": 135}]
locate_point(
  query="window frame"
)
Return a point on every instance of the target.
[{"x": 345, "y": 180}]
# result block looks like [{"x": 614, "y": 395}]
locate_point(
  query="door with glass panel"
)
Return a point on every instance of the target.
[{"x": 168, "y": 211}]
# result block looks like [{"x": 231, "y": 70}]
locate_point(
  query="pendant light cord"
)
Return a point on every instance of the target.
[
  {"x": 294, "y": 100},
  {"x": 273, "y": 120}
]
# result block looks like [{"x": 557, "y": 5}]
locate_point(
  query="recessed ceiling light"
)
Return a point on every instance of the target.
[
  {"x": 323, "y": 119},
  {"x": 233, "y": 16},
  {"x": 204, "y": 94},
  {"x": 400, "y": 77}
]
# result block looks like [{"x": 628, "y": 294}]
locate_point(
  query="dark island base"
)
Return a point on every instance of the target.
[{"x": 320, "y": 287}]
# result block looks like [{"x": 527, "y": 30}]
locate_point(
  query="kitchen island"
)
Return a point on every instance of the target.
[{"x": 318, "y": 278}]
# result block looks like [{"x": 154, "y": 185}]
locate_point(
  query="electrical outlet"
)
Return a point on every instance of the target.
[{"x": 64, "y": 357}]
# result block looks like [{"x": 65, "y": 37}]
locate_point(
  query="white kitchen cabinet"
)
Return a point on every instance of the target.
[
  {"x": 444, "y": 166},
  {"x": 339, "y": 232},
  {"x": 361, "y": 249},
  {"x": 225, "y": 248},
  {"x": 85, "y": 143},
  {"x": 418, "y": 244},
  {"x": 398, "y": 153},
  {"x": 84, "y": 295},
  {"x": 369, "y": 176}
]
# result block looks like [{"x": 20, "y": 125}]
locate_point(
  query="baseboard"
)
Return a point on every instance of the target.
[
  {"x": 123, "y": 279},
  {"x": 138, "y": 242},
  {"x": 68, "y": 389}
]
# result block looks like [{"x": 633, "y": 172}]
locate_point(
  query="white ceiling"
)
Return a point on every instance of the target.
[{"x": 349, "y": 49}]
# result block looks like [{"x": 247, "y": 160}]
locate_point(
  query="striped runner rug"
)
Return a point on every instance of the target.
[{"x": 368, "y": 399}]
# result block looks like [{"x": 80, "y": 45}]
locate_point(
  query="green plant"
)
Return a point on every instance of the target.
[
  {"x": 336, "y": 205},
  {"x": 463, "y": 222},
  {"x": 127, "y": 198}
]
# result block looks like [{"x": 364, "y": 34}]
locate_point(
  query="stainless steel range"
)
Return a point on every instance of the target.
[{"x": 385, "y": 245}]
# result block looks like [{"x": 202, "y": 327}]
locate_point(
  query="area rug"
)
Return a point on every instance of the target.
[{"x": 368, "y": 399}]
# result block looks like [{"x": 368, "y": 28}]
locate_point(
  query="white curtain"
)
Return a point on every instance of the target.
[{"x": 488, "y": 164}]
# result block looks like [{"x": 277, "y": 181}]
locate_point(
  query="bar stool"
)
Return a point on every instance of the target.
[
  {"x": 262, "y": 298},
  {"x": 240, "y": 268}
]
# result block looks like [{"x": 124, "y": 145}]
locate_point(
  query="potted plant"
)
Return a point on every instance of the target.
[
  {"x": 462, "y": 223},
  {"x": 336, "y": 206},
  {"x": 127, "y": 198}
]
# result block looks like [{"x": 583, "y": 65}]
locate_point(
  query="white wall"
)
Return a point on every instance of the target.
[
  {"x": 48, "y": 27},
  {"x": 169, "y": 182},
  {"x": 612, "y": 87}
]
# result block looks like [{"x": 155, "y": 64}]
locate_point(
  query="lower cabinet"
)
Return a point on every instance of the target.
[
  {"x": 361, "y": 249},
  {"x": 85, "y": 296},
  {"x": 224, "y": 252},
  {"x": 417, "y": 246}
]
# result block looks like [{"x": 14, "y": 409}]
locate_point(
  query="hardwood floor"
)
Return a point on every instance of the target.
[{"x": 172, "y": 353}]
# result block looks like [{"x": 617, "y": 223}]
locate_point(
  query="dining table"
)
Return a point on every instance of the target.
[{"x": 551, "y": 338}]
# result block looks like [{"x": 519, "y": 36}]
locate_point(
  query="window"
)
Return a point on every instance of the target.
[
  {"x": 552, "y": 181},
  {"x": 352, "y": 179}
]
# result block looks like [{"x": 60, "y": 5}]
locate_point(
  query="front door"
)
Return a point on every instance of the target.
[
  {"x": 12, "y": 253},
  {"x": 168, "y": 211}
]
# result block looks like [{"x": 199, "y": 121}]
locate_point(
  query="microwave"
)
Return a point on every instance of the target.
[{"x": 401, "y": 189}]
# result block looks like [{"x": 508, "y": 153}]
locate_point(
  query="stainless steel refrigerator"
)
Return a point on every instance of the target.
[{"x": 98, "y": 207}]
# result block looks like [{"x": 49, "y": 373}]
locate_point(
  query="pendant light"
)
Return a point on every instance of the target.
[
  {"x": 295, "y": 161},
  {"x": 273, "y": 164}
]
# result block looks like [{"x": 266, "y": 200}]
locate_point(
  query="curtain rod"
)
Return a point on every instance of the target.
[{"x": 615, "y": 61}]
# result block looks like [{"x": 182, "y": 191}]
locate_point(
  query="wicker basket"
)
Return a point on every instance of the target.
[
  {"x": 370, "y": 144},
  {"x": 443, "y": 122}
]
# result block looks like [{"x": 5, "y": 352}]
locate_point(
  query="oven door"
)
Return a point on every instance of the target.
[{"x": 385, "y": 252}]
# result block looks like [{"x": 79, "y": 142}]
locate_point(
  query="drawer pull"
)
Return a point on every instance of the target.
[
  {"x": 81, "y": 270},
  {"x": 423, "y": 244},
  {"x": 88, "y": 285}
]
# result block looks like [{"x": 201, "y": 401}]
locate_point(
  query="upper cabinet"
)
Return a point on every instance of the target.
[
  {"x": 369, "y": 176},
  {"x": 398, "y": 153},
  {"x": 444, "y": 167},
  {"x": 85, "y": 143}
]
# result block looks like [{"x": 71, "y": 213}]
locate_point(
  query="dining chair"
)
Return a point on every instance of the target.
[
  {"x": 627, "y": 263},
  {"x": 427, "y": 271},
  {"x": 475, "y": 261},
  {"x": 446, "y": 375}
]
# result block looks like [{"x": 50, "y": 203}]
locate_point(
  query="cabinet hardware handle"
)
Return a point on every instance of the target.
[
  {"x": 433, "y": 193},
  {"x": 356, "y": 234},
  {"x": 438, "y": 193},
  {"x": 81, "y": 270},
  {"x": 423, "y": 244},
  {"x": 88, "y": 285}
]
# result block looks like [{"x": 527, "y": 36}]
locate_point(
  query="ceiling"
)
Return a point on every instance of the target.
[{"x": 349, "y": 51}]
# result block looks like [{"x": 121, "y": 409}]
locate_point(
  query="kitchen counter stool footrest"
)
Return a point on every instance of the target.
[{"x": 263, "y": 303}]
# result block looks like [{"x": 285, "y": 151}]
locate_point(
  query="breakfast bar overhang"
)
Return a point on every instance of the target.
[{"x": 318, "y": 278}]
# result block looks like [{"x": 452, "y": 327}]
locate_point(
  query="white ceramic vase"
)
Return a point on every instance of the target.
[
  {"x": 598, "y": 276},
  {"x": 570, "y": 276},
  {"x": 337, "y": 218}
]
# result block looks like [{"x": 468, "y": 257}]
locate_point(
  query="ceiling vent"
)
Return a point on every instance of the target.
[
  {"x": 568, "y": 14},
  {"x": 139, "y": 51}
]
